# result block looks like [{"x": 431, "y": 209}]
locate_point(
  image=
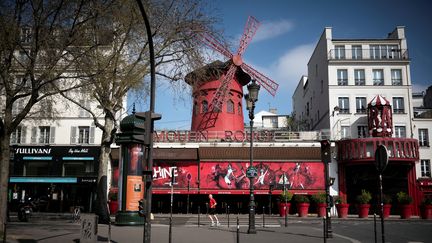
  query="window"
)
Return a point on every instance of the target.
[
  {"x": 357, "y": 52},
  {"x": 384, "y": 52},
  {"x": 26, "y": 35},
  {"x": 361, "y": 104},
  {"x": 239, "y": 108},
  {"x": 359, "y": 77},
  {"x": 396, "y": 76},
  {"x": 17, "y": 107},
  {"x": 374, "y": 52},
  {"x": 19, "y": 135},
  {"x": 195, "y": 108},
  {"x": 400, "y": 131},
  {"x": 46, "y": 108},
  {"x": 82, "y": 135},
  {"x": 340, "y": 52},
  {"x": 342, "y": 75},
  {"x": 230, "y": 106},
  {"x": 345, "y": 132},
  {"x": 362, "y": 131},
  {"x": 425, "y": 168},
  {"x": 423, "y": 137},
  {"x": 44, "y": 134},
  {"x": 398, "y": 105},
  {"x": 378, "y": 77},
  {"x": 344, "y": 105},
  {"x": 204, "y": 106},
  {"x": 82, "y": 112}
]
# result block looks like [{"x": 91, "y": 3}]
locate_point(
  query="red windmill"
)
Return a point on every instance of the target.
[{"x": 218, "y": 81}]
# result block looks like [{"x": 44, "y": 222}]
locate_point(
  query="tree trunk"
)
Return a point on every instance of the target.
[
  {"x": 101, "y": 206},
  {"x": 4, "y": 179}
]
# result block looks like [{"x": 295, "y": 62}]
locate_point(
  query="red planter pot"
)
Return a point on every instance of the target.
[
  {"x": 363, "y": 210},
  {"x": 405, "y": 211},
  {"x": 386, "y": 210},
  {"x": 321, "y": 208},
  {"x": 284, "y": 207},
  {"x": 113, "y": 207},
  {"x": 303, "y": 209},
  {"x": 342, "y": 210},
  {"x": 426, "y": 211}
]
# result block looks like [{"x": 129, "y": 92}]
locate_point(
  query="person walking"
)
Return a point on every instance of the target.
[{"x": 212, "y": 212}]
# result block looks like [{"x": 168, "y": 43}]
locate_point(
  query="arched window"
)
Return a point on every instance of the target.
[
  {"x": 230, "y": 106},
  {"x": 204, "y": 105},
  {"x": 240, "y": 111},
  {"x": 195, "y": 108}
]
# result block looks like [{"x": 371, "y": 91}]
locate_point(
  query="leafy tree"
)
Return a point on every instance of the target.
[{"x": 40, "y": 44}]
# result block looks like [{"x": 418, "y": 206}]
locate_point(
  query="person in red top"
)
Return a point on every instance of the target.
[{"x": 212, "y": 211}]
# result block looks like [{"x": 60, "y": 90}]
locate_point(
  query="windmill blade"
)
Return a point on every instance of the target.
[
  {"x": 268, "y": 84},
  {"x": 220, "y": 94},
  {"x": 211, "y": 42},
  {"x": 251, "y": 28}
]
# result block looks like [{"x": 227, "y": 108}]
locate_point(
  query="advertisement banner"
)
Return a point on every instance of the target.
[
  {"x": 182, "y": 172},
  {"x": 135, "y": 192},
  {"x": 232, "y": 175}
]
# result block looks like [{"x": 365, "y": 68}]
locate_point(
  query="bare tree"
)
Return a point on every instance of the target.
[
  {"x": 122, "y": 66},
  {"x": 40, "y": 44}
]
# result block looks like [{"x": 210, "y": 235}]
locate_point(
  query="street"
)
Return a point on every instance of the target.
[{"x": 185, "y": 229}]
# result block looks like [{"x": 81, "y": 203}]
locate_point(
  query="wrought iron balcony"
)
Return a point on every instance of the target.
[{"x": 368, "y": 54}]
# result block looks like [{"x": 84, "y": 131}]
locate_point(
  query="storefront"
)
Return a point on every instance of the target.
[{"x": 56, "y": 178}]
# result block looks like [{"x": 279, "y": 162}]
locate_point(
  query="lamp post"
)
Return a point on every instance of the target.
[
  {"x": 251, "y": 98},
  {"x": 326, "y": 158}
]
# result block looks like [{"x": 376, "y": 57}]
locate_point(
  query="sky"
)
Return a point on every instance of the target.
[{"x": 289, "y": 32}]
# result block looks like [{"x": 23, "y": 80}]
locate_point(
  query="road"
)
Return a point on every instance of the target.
[{"x": 185, "y": 229}]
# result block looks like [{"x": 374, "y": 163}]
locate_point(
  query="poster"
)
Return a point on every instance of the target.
[
  {"x": 232, "y": 175},
  {"x": 135, "y": 192},
  {"x": 163, "y": 172}
]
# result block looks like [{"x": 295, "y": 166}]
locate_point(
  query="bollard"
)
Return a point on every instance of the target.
[
  {"x": 4, "y": 233},
  {"x": 324, "y": 230},
  {"x": 238, "y": 230},
  {"x": 375, "y": 229},
  {"x": 199, "y": 216},
  {"x": 228, "y": 215},
  {"x": 263, "y": 217}
]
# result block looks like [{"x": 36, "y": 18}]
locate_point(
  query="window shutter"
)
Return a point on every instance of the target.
[
  {"x": 92, "y": 134},
  {"x": 73, "y": 135},
  {"x": 34, "y": 135},
  {"x": 23, "y": 134},
  {"x": 52, "y": 135}
]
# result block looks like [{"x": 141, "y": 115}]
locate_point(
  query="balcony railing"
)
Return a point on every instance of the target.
[{"x": 394, "y": 54}]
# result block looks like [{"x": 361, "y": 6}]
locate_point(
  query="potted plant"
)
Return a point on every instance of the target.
[
  {"x": 284, "y": 203},
  {"x": 426, "y": 208},
  {"x": 113, "y": 202},
  {"x": 405, "y": 206},
  {"x": 320, "y": 201},
  {"x": 302, "y": 202},
  {"x": 387, "y": 200},
  {"x": 341, "y": 206},
  {"x": 363, "y": 203}
]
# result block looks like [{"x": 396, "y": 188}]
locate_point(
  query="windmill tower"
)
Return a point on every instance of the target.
[{"x": 218, "y": 87}]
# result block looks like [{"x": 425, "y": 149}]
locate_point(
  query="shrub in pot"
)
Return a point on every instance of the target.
[
  {"x": 363, "y": 203},
  {"x": 426, "y": 208},
  {"x": 302, "y": 202},
  {"x": 320, "y": 200},
  {"x": 341, "y": 206},
  {"x": 284, "y": 203},
  {"x": 405, "y": 206}
]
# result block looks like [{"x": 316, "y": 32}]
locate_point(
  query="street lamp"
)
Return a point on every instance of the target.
[
  {"x": 326, "y": 158},
  {"x": 251, "y": 98}
]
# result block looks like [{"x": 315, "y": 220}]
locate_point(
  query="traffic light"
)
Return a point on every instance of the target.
[
  {"x": 141, "y": 208},
  {"x": 148, "y": 118},
  {"x": 326, "y": 151}
]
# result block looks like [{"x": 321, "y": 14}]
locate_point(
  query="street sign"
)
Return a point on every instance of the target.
[
  {"x": 189, "y": 177},
  {"x": 251, "y": 172},
  {"x": 381, "y": 158}
]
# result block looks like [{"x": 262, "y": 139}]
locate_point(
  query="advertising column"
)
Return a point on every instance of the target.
[{"x": 131, "y": 188}]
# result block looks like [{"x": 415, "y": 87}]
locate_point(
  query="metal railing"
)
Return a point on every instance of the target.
[{"x": 369, "y": 54}]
